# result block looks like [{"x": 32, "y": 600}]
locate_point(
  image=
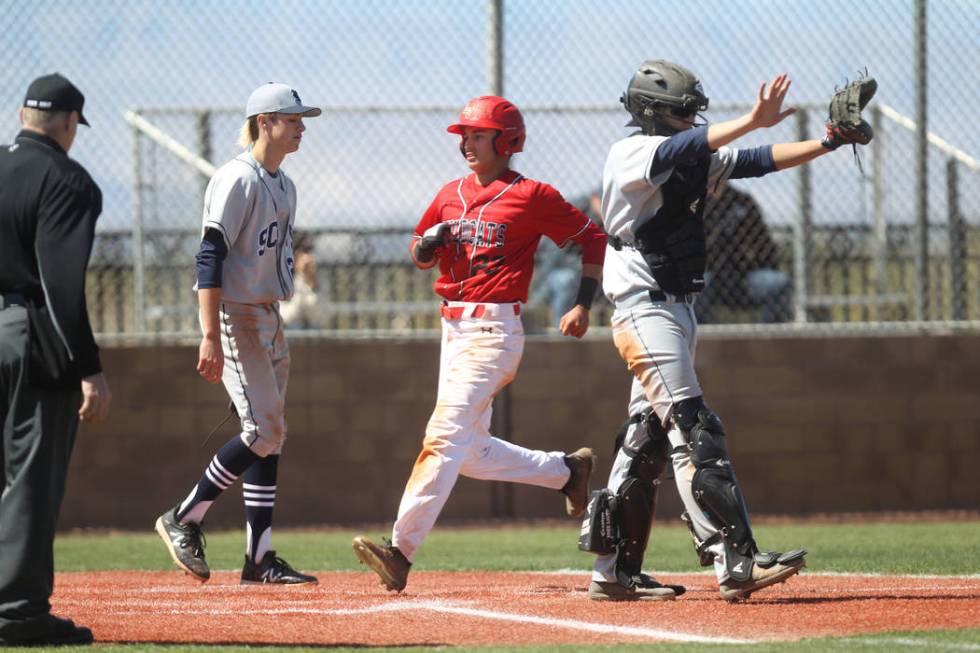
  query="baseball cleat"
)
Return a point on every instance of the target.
[
  {"x": 641, "y": 588},
  {"x": 387, "y": 561},
  {"x": 185, "y": 543},
  {"x": 273, "y": 570},
  {"x": 786, "y": 566},
  {"x": 576, "y": 490}
]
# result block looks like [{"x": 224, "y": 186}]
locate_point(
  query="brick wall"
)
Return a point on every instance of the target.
[{"x": 815, "y": 425}]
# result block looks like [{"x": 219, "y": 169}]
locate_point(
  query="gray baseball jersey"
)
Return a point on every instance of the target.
[
  {"x": 254, "y": 211},
  {"x": 630, "y": 198}
]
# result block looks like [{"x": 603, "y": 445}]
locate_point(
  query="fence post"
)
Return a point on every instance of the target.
[
  {"x": 921, "y": 164},
  {"x": 501, "y": 494},
  {"x": 495, "y": 47},
  {"x": 802, "y": 232},
  {"x": 139, "y": 301},
  {"x": 879, "y": 241},
  {"x": 957, "y": 243}
]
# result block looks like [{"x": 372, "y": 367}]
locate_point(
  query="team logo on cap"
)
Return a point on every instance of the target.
[
  {"x": 471, "y": 112},
  {"x": 299, "y": 102}
]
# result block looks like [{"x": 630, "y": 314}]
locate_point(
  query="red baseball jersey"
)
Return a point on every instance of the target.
[{"x": 495, "y": 232}]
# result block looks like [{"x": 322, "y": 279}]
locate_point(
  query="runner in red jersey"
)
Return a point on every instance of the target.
[{"x": 482, "y": 231}]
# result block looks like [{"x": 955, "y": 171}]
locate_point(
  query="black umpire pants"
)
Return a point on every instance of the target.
[{"x": 38, "y": 434}]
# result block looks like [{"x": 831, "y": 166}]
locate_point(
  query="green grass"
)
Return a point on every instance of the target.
[
  {"x": 907, "y": 548},
  {"x": 942, "y": 548}
]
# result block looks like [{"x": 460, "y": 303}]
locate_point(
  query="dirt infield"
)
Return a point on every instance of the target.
[{"x": 483, "y": 608}]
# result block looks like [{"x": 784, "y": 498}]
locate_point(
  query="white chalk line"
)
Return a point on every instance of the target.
[
  {"x": 454, "y": 608},
  {"x": 460, "y": 608},
  {"x": 584, "y": 572}
]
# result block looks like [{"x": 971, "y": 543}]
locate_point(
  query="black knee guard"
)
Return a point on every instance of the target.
[
  {"x": 637, "y": 498},
  {"x": 622, "y": 521},
  {"x": 600, "y": 527},
  {"x": 714, "y": 485}
]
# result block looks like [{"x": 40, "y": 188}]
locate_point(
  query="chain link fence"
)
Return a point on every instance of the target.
[{"x": 825, "y": 246}]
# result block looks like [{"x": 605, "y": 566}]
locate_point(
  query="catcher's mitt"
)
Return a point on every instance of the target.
[{"x": 845, "y": 125}]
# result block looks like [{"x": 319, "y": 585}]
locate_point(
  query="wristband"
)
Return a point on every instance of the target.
[{"x": 586, "y": 291}]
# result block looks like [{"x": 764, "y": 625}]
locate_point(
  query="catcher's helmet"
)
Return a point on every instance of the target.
[
  {"x": 662, "y": 87},
  {"x": 492, "y": 112}
]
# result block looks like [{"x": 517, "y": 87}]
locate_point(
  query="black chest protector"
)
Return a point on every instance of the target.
[{"x": 672, "y": 242}]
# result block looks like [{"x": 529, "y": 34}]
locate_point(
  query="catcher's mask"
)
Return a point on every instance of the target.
[
  {"x": 661, "y": 88},
  {"x": 492, "y": 112}
]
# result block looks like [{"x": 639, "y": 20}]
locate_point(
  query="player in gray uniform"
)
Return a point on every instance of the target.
[
  {"x": 244, "y": 269},
  {"x": 654, "y": 185}
]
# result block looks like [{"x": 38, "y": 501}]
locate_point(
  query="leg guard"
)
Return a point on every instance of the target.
[
  {"x": 705, "y": 557},
  {"x": 715, "y": 488},
  {"x": 638, "y": 501},
  {"x": 621, "y": 521}
]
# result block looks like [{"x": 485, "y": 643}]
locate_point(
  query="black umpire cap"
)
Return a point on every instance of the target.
[{"x": 55, "y": 93}]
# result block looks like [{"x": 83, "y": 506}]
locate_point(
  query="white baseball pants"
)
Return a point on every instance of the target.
[
  {"x": 479, "y": 356},
  {"x": 256, "y": 372}
]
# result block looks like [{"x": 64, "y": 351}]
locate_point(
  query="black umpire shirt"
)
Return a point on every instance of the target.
[{"x": 48, "y": 208}]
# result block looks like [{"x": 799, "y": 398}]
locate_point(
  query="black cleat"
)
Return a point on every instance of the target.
[
  {"x": 44, "y": 630},
  {"x": 185, "y": 543},
  {"x": 275, "y": 571}
]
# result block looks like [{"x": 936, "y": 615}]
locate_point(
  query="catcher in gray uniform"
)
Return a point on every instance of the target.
[
  {"x": 654, "y": 186},
  {"x": 244, "y": 269}
]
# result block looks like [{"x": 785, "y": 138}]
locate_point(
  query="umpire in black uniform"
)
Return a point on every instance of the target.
[{"x": 50, "y": 375}]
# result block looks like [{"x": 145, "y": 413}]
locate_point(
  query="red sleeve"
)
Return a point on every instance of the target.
[
  {"x": 593, "y": 242},
  {"x": 563, "y": 223},
  {"x": 432, "y": 215}
]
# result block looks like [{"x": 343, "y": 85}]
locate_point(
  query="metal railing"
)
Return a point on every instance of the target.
[{"x": 373, "y": 258}]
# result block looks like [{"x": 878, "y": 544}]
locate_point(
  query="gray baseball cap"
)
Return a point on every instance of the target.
[{"x": 277, "y": 98}]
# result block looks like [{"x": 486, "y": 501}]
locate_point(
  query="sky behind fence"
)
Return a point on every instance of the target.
[{"x": 431, "y": 53}]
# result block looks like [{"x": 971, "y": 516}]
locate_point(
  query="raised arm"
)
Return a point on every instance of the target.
[{"x": 768, "y": 111}]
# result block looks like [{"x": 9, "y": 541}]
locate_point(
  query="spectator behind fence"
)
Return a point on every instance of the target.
[
  {"x": 302, "y": 310},
  {"x": 743, "y": 266},
  {"x": 559, "y": 267},
  {"x": 50, "y": 372}
]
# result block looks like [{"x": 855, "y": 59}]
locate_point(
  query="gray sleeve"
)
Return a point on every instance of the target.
[
  {"x": 722, "y": 164},
  {"x": 228, "y": 201}
]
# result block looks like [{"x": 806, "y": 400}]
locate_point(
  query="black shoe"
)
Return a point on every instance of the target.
[
  {"x": 185, "y": 543},
  {"x": 44, "y": 629},
  {"x": 275, "y": 570}
]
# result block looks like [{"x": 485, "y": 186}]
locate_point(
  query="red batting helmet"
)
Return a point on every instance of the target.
[{"x": 492, "y": 112}]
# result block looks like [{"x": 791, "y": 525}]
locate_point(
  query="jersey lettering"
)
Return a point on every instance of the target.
[
  {"x": 487, "y": 264},
  {"x": 501, "y": 234},
  {"x": 491, "y": 234},
  {"x": 268, "y": 237}
]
